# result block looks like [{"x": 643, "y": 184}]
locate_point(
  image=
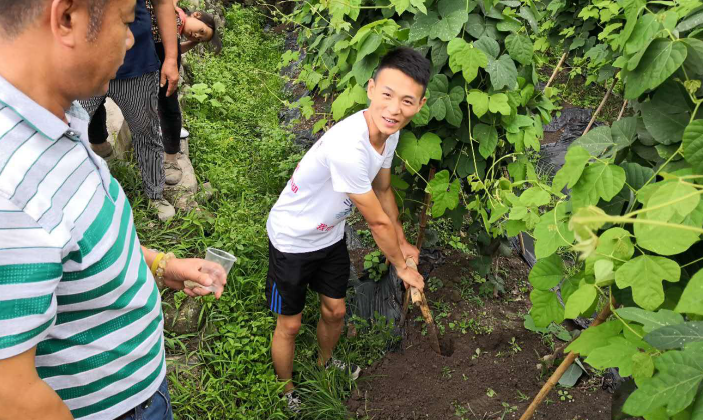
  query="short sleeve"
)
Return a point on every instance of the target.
[
  {"x": 391, "y": 144},
  {"x": 30, "y": 271},
  {"x": 349, "y": 171}
]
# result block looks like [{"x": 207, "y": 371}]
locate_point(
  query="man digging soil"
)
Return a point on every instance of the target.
[{"x": 350, "y": 165}]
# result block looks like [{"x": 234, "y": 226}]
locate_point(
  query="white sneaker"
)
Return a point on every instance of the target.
[
  {"x": 293, "y": 400},
  {"x": 184, "y": 133},
  {"x": 353, "y": 370}
]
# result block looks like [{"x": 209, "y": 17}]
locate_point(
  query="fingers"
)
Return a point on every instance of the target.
[{"x": 171, "y": 87}]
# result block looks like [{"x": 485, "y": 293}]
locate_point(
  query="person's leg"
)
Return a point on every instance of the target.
[
  {"x": 137, "y": 97},
  {"x": 170, "y": 120},
  {"x": 283, "y": 347},
  {"x": 329, "y": 328},
  {"x": 97, "y": 129}
]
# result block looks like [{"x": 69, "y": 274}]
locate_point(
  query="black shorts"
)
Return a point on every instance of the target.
[{"x": 325, "y": 270}]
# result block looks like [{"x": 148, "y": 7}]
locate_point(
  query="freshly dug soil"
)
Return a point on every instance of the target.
[{"x": 492, "y": 369}]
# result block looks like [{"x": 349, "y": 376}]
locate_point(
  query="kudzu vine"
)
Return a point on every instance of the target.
[{"x": 627, "y": 202}]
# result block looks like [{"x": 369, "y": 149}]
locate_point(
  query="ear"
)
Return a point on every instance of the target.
[
  {"x": 422, "y": 102},
  {"x": 197, "y": 15},
  {"x": 63, "y": 18},
  {"x": 370, "y": 88}
]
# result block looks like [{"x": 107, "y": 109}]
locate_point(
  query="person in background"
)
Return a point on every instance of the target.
[
  {"x": 349, "y": 166},
  {"x": 195, "y": 27},
  {"x": 135, "y": 91},
  {"x": 81, "y": 326}
]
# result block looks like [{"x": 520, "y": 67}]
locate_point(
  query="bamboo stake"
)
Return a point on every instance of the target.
[
  {"x": 420, "y": 300},
  {"x": 551, "y": 383},
  {"x": 622, "y": 110},
  {"x": 556, "y": 70},
  {"x": 418, "y": 243},
  {"x": 605, "y": 99}
]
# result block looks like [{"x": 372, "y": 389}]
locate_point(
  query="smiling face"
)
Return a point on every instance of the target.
[
  {"x": 195, "y": 30},
  {"x": 395, "y": 99}
]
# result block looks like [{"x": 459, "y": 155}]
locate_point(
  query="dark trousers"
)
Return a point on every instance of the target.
[{"x": 169, "y": 110}]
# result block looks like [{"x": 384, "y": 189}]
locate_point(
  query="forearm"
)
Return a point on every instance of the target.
[
  {"x": 166, "y": 20},
  {"x": 385, "y": 235},
  {"x": 27, "y": 397},
  {"x": 391, "y": 209},
  {"x": 187, "y": 46},
  {"x": 149, "y": 255}
]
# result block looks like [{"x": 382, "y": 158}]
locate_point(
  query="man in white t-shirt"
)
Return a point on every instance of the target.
[{"x": 349, "y": 166}]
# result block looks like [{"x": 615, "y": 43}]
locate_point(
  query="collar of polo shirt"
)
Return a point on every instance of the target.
[{"x": 46, "y": 123}]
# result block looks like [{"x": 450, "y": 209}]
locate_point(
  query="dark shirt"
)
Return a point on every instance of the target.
[{"x": 142, "y": 58}]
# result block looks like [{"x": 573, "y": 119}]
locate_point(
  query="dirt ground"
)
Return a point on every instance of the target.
[{"x": 494, "y": 368}]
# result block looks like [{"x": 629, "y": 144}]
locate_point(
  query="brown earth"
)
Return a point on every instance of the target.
[{"x": 494, "y": 370}]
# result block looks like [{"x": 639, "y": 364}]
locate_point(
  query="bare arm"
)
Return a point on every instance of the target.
[
  {"x": 166, "y": 19},
  {"x": 384, "y": 233},
  {"x": 382, "y": 187},
  {"x": 23, "y": 395},
  {"x": 187, "y": 46}
]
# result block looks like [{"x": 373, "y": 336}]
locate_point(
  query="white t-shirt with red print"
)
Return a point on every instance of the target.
[{"x": 310, "y": 213}]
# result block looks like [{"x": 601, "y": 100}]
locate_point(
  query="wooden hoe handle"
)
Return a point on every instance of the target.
[{"x": 414, "y": 293}]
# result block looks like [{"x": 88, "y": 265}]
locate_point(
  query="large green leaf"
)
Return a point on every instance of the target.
[
  {"x": 535, "y": 197},
  {"x": 662, "y": 59},
  {"x": 552, "y": 232},
  {"x": 647, "y": 26},
  {"x": 644, "y": 274},
  {"x": 478, "y": 101},
  {"x": 597, "y": 141},
  {"x": 545, "y": 308},
  {"x": 615, "y": 243},
  {"x": 691, "y": 301},
  {"x": 475, "y": 25},
  {"x": 618, "y": 353},
  {"x": 580, "y": 301},
  {"x": 502, "y": 72},
  {"x": 547, "y": 273},
  {"x": 684, "y": 198},
  {"x": 632, "y": 11},
  {"x": 369, "y": 45},
  {"x": 443, "y": 103},
  {"x": 444, "y": 25},
  {"x": 599, "y": 181},
  {"x": 498, "y": 104},
  {"x": 488, "y": 45},
  {"x": 487, "y": 137},
  {"x": 364, "y": 68},
  {"x": 637, "y": 175},
  {"x": 668, "y": 239},
  {"x": 439, "y": 53},
  {"x": 665, "y": 124},
  {"x": 624, "y": 132},
  {"x": 575, "y": 162},
  {"x": 693, "y": 145},
  {"x": 445, "y": 195},
  {"x": 465, "y": 58},
  {"x": 650, "y": 320},
  {"x": 520, "y": 48},
  {"x": 419, "y": 152},
  {"x": 595, "y": 337},
  {"x": 675, "y": 336},
  {"x": 674, "y": 385}
]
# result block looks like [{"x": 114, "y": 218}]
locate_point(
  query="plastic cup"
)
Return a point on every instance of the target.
[{"x": 225, "y": 259}]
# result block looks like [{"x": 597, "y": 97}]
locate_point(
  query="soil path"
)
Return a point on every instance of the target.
[{"x": 494, "y": 370}]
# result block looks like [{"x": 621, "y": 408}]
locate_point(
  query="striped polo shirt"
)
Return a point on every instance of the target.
[{"x": 73, "y": 280}]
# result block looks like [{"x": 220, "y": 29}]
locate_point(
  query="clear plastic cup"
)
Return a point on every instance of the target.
[{"x": 225, "y": 259}]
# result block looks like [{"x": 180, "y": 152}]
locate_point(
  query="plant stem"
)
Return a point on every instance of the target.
[
  {"x": 602, "y": 102},
  {"x": 623, "y": 219},
  {"x": 556, "y": 70}
]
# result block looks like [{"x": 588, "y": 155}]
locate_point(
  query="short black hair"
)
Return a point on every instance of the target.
[
  {"x": 410, "y": 62},
  {"x": 16, "y": 15}
]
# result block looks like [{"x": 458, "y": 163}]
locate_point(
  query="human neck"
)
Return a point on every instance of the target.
[
  {"x": 376, "y": 138},
  {"x": 29, "y": 73}
]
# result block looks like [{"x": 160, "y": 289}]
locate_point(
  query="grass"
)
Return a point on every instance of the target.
[{"x": 238, "y": 146}]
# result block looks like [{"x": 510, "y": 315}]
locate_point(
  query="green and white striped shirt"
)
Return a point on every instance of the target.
[{"x": 73, "y": 280}]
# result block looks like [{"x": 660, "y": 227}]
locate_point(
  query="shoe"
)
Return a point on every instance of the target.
[
  {"x": 184, "y": 133},
  {"x": 293, "y": 400},
  {"x": 164, "y": 208},
  {"x": 353, "y": 370},
  {"x": 104, "y": 150},
  {"x": 173, "y": 172}
]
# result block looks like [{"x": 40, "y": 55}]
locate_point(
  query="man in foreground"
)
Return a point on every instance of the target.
[
  {"x": 81, "y": 328},
  {"x": 349, "y": 165}
]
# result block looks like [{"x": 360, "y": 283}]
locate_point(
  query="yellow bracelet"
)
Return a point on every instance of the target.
[{"x": 155, "y": 264}]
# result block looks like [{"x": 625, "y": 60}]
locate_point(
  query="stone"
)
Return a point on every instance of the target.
[
  {"x": 182, "y": 194},
  {"x": 184, "y": 365},
  {"x": 185, "y": 318}
]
